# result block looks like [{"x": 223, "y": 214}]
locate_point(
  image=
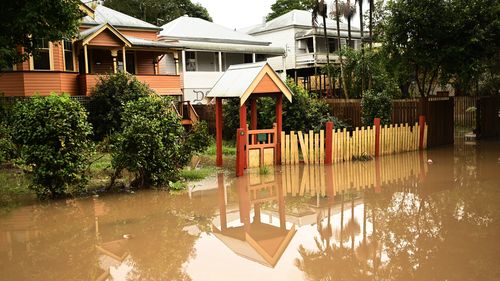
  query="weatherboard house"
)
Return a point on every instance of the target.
[
  {"x": 108, "y": 42},
  {"x": 208, "y": 49}
]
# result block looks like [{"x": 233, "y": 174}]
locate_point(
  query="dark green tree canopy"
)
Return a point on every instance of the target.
[
  {"x": 158, "y": 12},
  {"x": 22, "y": 21},
  {"x": 282, "y": 7}
]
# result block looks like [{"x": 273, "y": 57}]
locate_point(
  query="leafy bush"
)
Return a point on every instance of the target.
[
  {"x": 53, "y": 134},
  {"x": 150, "y": 143},
  {"x": 304, "y": 113},
  {"x": 376, "y": 104},
  {"x": 196, "y": 140},
  {"x": 109, "y": 97},
  {"x": 7, "y": 147}
]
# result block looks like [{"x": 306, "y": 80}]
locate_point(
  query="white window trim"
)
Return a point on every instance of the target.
[{"x": 51, "y": 60}]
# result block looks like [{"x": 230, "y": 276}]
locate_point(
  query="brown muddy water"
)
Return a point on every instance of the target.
[{"x": 400, "y": 218}]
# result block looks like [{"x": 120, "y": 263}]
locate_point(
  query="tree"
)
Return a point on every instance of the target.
[
  {"x": 159, "y": 12},
  {"x": 109, "y": 96},
  {"x": 442, "y": 41},
  {"x": 53, "y": 134},
  {"x": 281, "y": 7},
  {"x": 320, "y": 8},
  {"x": 24, "y": 21}
]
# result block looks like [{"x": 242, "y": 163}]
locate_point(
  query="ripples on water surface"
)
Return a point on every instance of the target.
[{"x": 399, "y": 218}]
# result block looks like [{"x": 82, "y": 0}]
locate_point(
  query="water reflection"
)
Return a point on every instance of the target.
[{"x": 398, "y": 218}]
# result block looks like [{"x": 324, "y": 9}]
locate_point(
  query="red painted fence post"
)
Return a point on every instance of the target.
[
  {"x": 376, "y": 122},
  {"x": 240, "y": 151},
  {"x": 328, "y": 142},
  {"x": 218, "y": 129},
  {"x": 421, "y": 124}
]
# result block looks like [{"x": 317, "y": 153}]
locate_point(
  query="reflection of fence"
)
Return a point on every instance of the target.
[
  {"x": 330, "y": 180},
  {"x": 346, "y": 146}
]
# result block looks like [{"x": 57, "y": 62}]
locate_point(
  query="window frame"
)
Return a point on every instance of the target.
[{"x": 49, "y": 49}]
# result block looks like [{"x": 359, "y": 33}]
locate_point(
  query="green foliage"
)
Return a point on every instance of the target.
[
  {"x": 197, "y": 174},
  {"x": 150, "y": 143},
  {"x": 109, "y": 96},
  {"x": 7, "y": 146},
  {"x": 53, "y": 134},
  {"x": 24, "y": 21},
  {"x": 281, "y": 7},
  {"x": 228, "y": 148},
  {"x": 376, "y": 104},
  {"x": 159, "y": 12},
  {"x": 197, "y": 140},
  {"x": 264, "y": 170},
  {"x": 442, "y": 40}
]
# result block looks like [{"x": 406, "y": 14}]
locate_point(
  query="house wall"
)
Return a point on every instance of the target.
[
  {"x": 281, "y": 38},
  {"x": 144, "y": 62},
  {"x": 106, "y": 39},
  {"x": 148, "y": 35},
  {"x": 167, "y": 64},
  {"x": 206, "y": 61}
]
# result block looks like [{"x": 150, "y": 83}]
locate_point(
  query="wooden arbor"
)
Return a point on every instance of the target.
[{"x": 247, "y": 82}]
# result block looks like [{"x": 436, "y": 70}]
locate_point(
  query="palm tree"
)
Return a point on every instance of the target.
[
  {"x": 319, "y": 9},
  {"x": 362, "y": 46},
  {"x": 370, "y": 27},
  {"x": 336, "y": 14},
  {"x": 348, "y": 10}
]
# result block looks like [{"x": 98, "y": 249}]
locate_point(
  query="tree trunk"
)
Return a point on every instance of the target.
[
  {"x": 343, "y": 87},
  {"x": 362, "y": 47},
  {"x": 327, "y": 50}
]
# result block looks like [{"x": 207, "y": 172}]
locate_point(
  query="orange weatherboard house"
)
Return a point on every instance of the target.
[{"x": 108, "y": 42}]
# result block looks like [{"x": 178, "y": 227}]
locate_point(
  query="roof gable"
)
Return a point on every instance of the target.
[
  {"x": 102, "y": 34},
  {"x": 196, "y": 29},
  {"x": 104, "y": 14}
]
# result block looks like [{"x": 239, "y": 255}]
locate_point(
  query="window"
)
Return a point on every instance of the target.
[
  {"x": 41, "y": 59},
  {"x": 248, "y": 58},
  {"x": 190, "y": 61},
  {"x": 310, "y": 45},
  {"x": 68, "y": 56},
  {"x": 332, "y": 45},
  {"x": 130, "y": 58}
]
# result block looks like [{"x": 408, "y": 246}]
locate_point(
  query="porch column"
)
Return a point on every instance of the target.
[
  {"x": 314, "y": 45},
  {"x": 218, "y": 131},
  {"x": 124, "y": 60},
  {"x": 220, "y": 61},
  {"x": 254, "y": 59},
  {"x": 176, "y": 60},
  {"x": 183, "y": 61},
  {"x": 86, "y": 57},
  {"x": 279, "y": 124},
  {"x": 114, "y": 54}
]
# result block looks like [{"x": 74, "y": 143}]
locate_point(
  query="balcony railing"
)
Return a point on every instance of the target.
[
  {"x": 314, "y": 58},
  {"x": 161, "y": 84}
]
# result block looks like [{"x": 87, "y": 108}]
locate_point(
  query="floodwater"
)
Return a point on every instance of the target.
[{"x": 399, "y": 218}]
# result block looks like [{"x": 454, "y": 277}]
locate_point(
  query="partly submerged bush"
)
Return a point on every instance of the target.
[
  {"x": 109, "y": 97},
  {"x": 7, "y": 146},
  {"x": 53, "y": 134}
]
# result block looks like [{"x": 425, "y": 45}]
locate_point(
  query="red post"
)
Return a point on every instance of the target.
[
  {"x": 240, "y": 151},
  {"x": 328, "y": 142},
  {"x": 330, "y": 194},
  {"x": 376, "y": 122},
  {"x": 378, "y": 176},
  {"x": 218, "y": 130},
  {"x": 243, "y": 125},
  {"x": 279, "y": 125},
  {"x": 421, "y": 124},
  {"x": 253, "y": 114}
]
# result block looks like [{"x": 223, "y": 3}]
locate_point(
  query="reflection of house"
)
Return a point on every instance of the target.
[
  {"x": 252, "y": 238},
  {"x": 109, "y": 41},
  {"x": 304, "y": 44},
  {"x": 209, "y": 50}
]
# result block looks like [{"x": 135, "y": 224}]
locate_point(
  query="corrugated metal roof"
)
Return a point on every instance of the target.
[
  {"x": 228, "y": 47},
  {"x": 195, "y": 29},
  {"x": 139, "y": 42},
  {"x": 104, "y": 14},
  {"x": 294, "y": 18},
  {"x": 236, "y": 80}
]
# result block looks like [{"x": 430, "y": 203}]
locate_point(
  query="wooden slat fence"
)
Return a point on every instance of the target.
[
  {"x": 346, "y": 146},
  {"x": 461, "y": 115}
]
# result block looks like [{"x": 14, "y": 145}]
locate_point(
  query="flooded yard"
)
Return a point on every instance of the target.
[{"x": 401, "y": 217}]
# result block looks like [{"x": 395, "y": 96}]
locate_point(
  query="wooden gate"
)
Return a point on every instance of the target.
[
  {"x": 488, "y": 117},
  {"x": 261, "y": 147},
  {"x": 439, "y": 116}
]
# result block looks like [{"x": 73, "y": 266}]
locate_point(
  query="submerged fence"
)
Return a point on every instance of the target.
[{"x": 341, "y": 145}]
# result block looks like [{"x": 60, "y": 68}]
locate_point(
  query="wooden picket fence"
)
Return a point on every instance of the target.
[{"x": 350, "y": 145}]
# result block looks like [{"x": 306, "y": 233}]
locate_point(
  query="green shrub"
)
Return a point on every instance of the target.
[
  {"x": 150, "y": 142},
  {"x": 197, "y": 140},
  {"x": 109, "y": 97},
  {"x": 376, "y": 104},
  {"x": 7, "y": 147},
  {"x": 53, "y": 134}
]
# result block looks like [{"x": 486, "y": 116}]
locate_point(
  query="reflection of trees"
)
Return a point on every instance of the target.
[{"x": 62, "y": 236}]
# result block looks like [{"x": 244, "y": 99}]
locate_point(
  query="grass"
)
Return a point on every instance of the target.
[
  {"x": 197, "y": 174},
  {"x": 228, "y": 148}
]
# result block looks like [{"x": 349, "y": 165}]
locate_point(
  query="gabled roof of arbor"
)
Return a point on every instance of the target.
[{"x": 241, "y": 80}]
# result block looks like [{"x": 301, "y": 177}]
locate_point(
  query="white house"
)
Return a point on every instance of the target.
[
  {"x": 304, "y": 43},
  {"x": 208, "y": 50}
]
